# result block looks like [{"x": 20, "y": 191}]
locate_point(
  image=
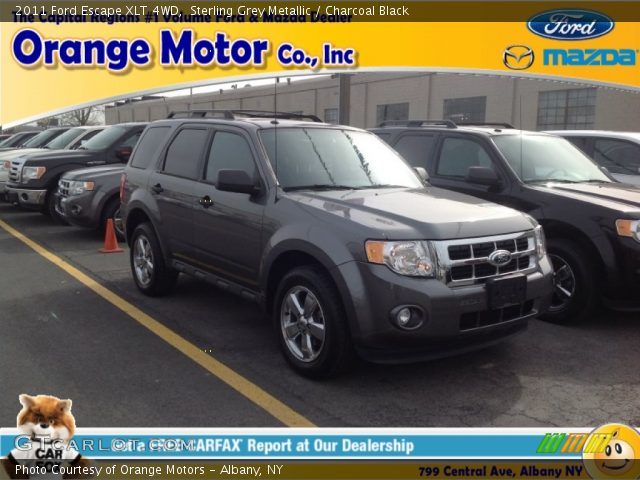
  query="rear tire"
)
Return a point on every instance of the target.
[
  {"x": 310, "y": 324},
  {"x": 150, "y": 273},
  {"x": 575, "y": 289}
]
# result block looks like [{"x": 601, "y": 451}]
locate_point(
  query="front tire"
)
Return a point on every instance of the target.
[
  {"x": 50, "y": 210},
  {"x": 150, "y": 273},
  {"x": 310, "y": 324},
  {"x": 112, "y": 211},
  {"x": 575, "y": 290}
]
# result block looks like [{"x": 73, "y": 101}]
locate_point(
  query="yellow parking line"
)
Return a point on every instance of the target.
[{"x": 251, "y": 391}]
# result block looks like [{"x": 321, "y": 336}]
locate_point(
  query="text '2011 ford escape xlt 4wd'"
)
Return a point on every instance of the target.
[{"x": 333, "y": 233}]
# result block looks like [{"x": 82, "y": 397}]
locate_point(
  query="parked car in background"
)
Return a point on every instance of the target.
[
  {"x": 3, "y": 137},
  {"x": 33, "y": 180},
  {"x": 333, "y": 233},
  {"x": 17, "y": 140},
  {"x": 41, "y": 138},
  {"x": 69, "y": 140},
  {"x": 88, "y": 197},
  {"x": 619, "y": 152},
  {"x": 592, "y": 222}
]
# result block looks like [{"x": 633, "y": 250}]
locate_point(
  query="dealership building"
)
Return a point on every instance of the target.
[{"x": 533, "y": 104}]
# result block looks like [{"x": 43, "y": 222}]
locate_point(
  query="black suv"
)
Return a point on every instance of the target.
[
  {"x": 33, "y": 179},
  {"x": 592, "y": 223},
  {"x": 333, "y": 233}
]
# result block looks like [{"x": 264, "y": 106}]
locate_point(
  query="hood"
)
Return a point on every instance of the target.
[
  {"x": 71, "y": 155},
  {"x": 616, "y": 196},
  {"x": 93, "y": 173},
  {"x": 11, "y": 154},
  {"x": 429, "y": 213}
]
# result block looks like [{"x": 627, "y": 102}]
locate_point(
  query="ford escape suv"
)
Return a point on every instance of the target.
[
  {"x": 592, "y": 222},
  {"x": 333, "y": 234}
]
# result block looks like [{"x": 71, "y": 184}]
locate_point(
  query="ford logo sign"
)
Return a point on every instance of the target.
[
  {"x": 500, "y": 258},
  {"x": 570, "y": 24}
]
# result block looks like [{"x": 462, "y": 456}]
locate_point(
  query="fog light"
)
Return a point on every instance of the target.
[
  {"x": 404, "y": 317},
  {"x": 407, "y": 317},
  {"x": 76, "y": 209}
]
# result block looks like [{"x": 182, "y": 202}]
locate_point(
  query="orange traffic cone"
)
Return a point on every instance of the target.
[{"x": 110, "y": 240}]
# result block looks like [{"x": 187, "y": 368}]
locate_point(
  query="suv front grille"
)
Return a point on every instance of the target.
[
  {"x": 63, "y": 188},
  {"x": 14, "y": 172},
  {"x": 466, "y": 261}
]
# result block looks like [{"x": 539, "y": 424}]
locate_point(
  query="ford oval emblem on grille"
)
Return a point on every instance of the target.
[{"x": 500, "y": 258}]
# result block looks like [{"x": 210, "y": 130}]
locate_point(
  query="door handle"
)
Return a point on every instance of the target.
[
  {"x": 157, "y": 188},
  {"x": 206, "y": 201}
]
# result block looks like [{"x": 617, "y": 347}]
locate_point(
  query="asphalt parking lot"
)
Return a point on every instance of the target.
[{"x": 60, "y": 337}]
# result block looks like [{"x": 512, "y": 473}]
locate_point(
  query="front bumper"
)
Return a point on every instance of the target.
[
  {"x": 78, "y": 210},
  {"x": 456, "y": 319},
  {"x": 622, "y": 289},
  {"x": 26, "y": 197}
]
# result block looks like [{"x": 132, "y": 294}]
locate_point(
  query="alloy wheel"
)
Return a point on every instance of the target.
[
  {"x": 564, "y": 284},
  {"x": 143, "y": 260},
  {"x": 302, "y": 323}
]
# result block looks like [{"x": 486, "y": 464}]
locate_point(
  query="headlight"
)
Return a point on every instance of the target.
[
  {"x": 541, "y": 244},
  {"x": 33, "y": 173},
  {"x": 629, "y": 228},
  {"x": 406, "y": 258},
  {"x": 77, "y": 188}
]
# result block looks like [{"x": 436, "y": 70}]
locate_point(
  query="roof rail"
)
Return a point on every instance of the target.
[
  {"x": 417, "y": 123},
  {"x": 486, "y": 124},
  {"x": 236, "y": 114}
]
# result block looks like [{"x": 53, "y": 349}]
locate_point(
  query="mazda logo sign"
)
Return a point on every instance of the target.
[
  {"x": 500, "y": 258},
  {"x": 518, "y": 57}
]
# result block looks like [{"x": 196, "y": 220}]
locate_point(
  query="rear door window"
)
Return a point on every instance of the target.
[{"x": 185, "y": 152}]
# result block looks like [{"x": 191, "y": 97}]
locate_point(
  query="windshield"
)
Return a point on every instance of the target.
[
  {"x": 17, "y": 139},
  {"x": 64, "y": 139},
  {"x": 544, "y": 158},
  {"x": 334, "y": 159},
  {"x": 10, "y": 141},
  {"x": 41, "y": 139},
  {"x": 104, "y": 139}
]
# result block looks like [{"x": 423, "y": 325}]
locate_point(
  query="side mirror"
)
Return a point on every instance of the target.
[
  {"x": 483, "y": 176},
  {"x": 123, "y": 153},
  {"x": 237, "y": 181},
  {"x": 423, "y": 173}
]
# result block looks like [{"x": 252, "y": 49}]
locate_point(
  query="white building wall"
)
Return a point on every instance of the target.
[
  {"x": 425, "y": 93},
  {"x": 617, "y": 110}
]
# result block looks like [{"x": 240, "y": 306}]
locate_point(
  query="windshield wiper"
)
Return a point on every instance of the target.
[
  {"x": 551, "y": 180},
  {"x": 319, "y": 186},
  {"x": 379, "y": 185}
]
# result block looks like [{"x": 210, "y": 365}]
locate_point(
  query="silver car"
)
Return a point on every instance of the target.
[{"x": 619, "y": 152}]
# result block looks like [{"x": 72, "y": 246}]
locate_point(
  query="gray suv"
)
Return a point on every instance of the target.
[{"x": 326, "y": 227}]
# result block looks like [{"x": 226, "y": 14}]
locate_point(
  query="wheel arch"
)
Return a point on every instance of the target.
[
  {"x": 564, "y": 231},
  {"x": 295, "y": 254}
]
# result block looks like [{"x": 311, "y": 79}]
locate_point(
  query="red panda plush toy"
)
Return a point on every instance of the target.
[{"x": 47, "y": 425}]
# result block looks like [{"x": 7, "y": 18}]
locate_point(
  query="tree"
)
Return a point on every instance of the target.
[{"x": 83, "y": 116}]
